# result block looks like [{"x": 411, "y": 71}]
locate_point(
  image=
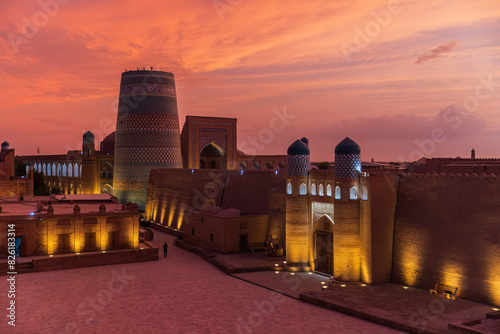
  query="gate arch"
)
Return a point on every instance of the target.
[{"x": 323, "y": 245}]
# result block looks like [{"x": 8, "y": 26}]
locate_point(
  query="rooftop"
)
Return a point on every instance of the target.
[{"x": 37, "y": 205}]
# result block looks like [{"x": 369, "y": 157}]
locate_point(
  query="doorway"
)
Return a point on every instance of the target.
[
  {"x": 243, "y": 242},
  {"x": 213, "y": 156},
  {"x": 18, "y": 246},
  {"x": 324, "y": 252}
]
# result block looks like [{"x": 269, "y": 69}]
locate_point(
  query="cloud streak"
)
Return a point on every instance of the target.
[
  {"x": 436, "y": 53},
  {"x": 264, "y": 55}
]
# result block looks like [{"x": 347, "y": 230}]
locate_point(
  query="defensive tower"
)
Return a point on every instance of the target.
[
  {"x": 347, "y": 243},
  {"x": 297, "y": 206},
  {"x": 89, "y": 164}
]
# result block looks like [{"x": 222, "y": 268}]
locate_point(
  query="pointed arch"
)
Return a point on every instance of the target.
[
  {"x": 76, "y": 171},
  {"x": 329, "y": 190},
  {"x": 213, "y": 156},
  {"x": 338, "y": 194},
  {"x": 353, "y": 193},
  {"x": 313, "y": 189},
  {"x": 215, "y": 145},
  {"x": 323, "y": 245},
  {"x": 107, "y": 189},
  {"x": 106, "y": 171},
  {"x": 364, "y": 193},
  {"x": 289, "y": 188},
  {"x": 70, "y": 170},
  {"x": 64, "y": 170},
  {"x": 303, "y": 189},
  {"x": 323, "y": 218},
  {"x": 321, "y": 190}
]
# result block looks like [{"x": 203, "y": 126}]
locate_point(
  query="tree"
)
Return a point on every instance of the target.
[
  {"x": 20, "y": 168},
  {"x": 39, "y": 186},
  {"x": 323, "y": 165}
]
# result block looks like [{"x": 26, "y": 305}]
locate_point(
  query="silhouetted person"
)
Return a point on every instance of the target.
[{"x": 165, "y": 249}]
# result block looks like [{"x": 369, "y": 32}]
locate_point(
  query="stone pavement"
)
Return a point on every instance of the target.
[
  {"x": 290, "y": 284},
  {"x": 179, "y": 294},
  {"x": 408, "y": 309}
]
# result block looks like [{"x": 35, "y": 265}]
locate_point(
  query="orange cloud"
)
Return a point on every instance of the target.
[{"x": 261, "y": 55}]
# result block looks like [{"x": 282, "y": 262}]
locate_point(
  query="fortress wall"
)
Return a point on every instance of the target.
[
  {"x": 172, "y": 191},
  {"x": 447, "y": 230},
  {"x": 259, "y": 192},
  {"x": 382, "y": 198}
]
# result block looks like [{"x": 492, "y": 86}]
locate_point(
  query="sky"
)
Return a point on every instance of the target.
[{"x": 404, "y": 79}]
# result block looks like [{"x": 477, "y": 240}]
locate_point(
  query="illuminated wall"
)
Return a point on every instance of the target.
[
  {"x": 447, "y": 230},
  {"x": 173, "y": 191},
  {"x": 222, "y": 233},
  {"x": 42, "y": 236},
  {"x": 298, "y": 227}
]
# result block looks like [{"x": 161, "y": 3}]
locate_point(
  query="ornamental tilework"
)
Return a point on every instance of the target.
[
  {"x": 148, "y": 155},
  {"x": 146, "y": 138},
  {"x": 147, "y": 122},
  {"x": 297, "y": 165},
  {"x": 347, "y": 165}
]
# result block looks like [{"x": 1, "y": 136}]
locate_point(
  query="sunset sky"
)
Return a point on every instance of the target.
[{"x": 403, "y": 79}]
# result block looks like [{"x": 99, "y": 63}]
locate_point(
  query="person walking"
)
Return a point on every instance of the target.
[{"x": 165, "y": 249}]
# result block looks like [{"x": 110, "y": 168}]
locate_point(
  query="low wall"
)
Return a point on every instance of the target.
[{"x": 91, "y": 259}]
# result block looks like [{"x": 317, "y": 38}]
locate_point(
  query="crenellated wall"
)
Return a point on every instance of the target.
[{"x": 447, "y": 230}]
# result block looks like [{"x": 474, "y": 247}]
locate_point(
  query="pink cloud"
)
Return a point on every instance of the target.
[{"x": 436, "y": 53}]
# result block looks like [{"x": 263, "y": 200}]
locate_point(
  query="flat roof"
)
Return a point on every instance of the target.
[
  {"x": 27, "y": 208},
  {"x": 62, "y": 204}
]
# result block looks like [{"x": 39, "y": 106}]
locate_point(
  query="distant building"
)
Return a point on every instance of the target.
[
  {"x": 10, "y": 185},
  {"x": 78, "y": 172},
  {"x": 456, "y": 165}
]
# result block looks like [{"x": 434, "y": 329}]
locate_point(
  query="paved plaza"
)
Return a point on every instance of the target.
[{"x": 179, "y": 294}]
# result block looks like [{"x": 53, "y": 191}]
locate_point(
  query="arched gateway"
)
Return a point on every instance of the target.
[{"x": 323, "y": 245}]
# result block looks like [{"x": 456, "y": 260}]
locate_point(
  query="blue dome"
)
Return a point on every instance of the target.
[
  {"x": 347, "y": 146},
  {"x": 88, "y": 134},
  {"x": 298, "y": 148},
  {"x": 5, "y": 143}
]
